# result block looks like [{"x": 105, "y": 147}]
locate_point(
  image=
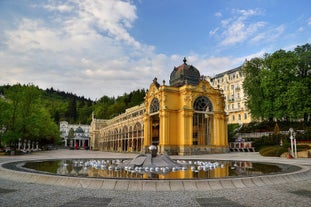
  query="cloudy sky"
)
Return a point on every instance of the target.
[{"x": 111, "y": 47}]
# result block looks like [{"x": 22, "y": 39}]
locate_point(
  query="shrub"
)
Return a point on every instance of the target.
[
  {"x": 273, "y": 151},
  {"x": 266, "y": 126},
  {"x": 232, "y": 130},
  {"x": 306, "y": 136},
  {"x": 303, "y": 147},
  {"x": 277, "y": 151},
  {"x": 271, "y": 140}
]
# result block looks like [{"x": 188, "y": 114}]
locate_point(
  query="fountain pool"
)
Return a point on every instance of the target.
[{"x": 121, "y": 169}]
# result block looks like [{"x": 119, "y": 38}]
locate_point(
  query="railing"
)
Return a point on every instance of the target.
[
  {"x": 253, "y": 134},
  {"x": 241, "y": 147},
  {"x": 261, "y": 134},
  {"x": 308, "y": 142}
]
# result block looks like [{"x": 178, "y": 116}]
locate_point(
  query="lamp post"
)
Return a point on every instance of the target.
[
  {"x": 293, "y": 143},
  {"x": 2, "y": 130}
]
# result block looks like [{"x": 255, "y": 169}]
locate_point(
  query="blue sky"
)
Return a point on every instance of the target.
[{"x": 108, "y": 47}]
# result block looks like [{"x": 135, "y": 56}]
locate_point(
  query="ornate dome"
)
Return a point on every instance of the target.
[
  {"x": 79, "y": 130},
  {"x": 184, "y": 74}
]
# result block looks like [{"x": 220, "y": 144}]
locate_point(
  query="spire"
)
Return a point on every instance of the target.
[{"x": 185, "y": 60}]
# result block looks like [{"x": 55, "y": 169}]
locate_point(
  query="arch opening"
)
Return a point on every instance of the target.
[{"x": 202, "y": 119}]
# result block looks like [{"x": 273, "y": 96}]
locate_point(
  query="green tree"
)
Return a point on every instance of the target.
[
  {"x": 279, "y": 68},
  {"x": 72, "y": 114},
  {"x": 27, "y": 118},
  {"x": 107, "y": 107},
  {"x": 71, "y": 135},
  {"x": 29, "y": 112},
  {"x": 303, "y": 90},
  {"x": 279, "y": 85},
  {"x": 252, "y": 71},
  {"x": 12, "y": 119}
]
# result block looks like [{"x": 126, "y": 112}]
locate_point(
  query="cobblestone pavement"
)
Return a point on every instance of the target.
[{"x": 294, "y": 192}]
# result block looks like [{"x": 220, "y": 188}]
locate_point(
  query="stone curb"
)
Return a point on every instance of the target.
[{"x": 154, "y": 185}]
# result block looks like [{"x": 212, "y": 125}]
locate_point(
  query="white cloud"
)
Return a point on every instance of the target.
[
  {"x": 268, "y": 35},
  {"x": 218, "y": 14},
  {"x": 239, "y": 28},
  {"x": 214, "y": 31},
  {"x": 86, "y": 47},
  {"x": 208, "y": 66},
  {"x": 239, "y": 31},
  {"x": 277, "y": 32},
  {"x": 246, "y": 13},
  {"x": 109, "y": 18},
  {"x": 60, "y": 7},
  {"x": 309, "y": 21},
  {"x": 81, "y": 46},
  {"x": 33, "y": 34},
  {"x": 214, "y": 65},
  {"x": 254, "y": 55}
]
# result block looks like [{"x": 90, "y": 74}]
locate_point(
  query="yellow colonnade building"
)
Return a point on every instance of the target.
[{"x": 186, "y": 117}]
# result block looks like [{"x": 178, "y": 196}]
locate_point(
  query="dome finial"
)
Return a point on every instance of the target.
[{"x": 185, "y": 60}]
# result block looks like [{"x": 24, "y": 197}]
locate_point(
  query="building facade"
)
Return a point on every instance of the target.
[
  {"x": 185, "y": 117},
  {"x": 123, "y": 133},
  {"x": 75, "y": 135},
  {"x": 230, "y": 82}
]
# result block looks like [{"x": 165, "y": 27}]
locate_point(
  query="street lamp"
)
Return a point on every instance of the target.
[
  {"x": 2, "y": 130},
  {"x": 293, "y": 142}
]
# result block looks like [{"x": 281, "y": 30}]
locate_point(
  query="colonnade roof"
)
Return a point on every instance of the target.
[{"x": 184, "y": 74}]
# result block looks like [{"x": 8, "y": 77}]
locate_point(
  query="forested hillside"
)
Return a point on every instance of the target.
[
  {"x": 30, "y": 113},
  {"x": 65, "y": 106},
  {"x": 107, "y": 107}
]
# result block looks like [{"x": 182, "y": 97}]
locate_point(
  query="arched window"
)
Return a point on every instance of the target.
[
  {"x": 137, "y": 130},
  {"x": 202, "y": 103},
  {"x": 202, "y": 117},
  {"x": 125, "y": 132},
  {"x": 154, "y": 106}
]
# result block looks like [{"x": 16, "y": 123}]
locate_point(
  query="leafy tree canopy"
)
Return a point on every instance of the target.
[
  {"x": 278, "y": 85},
  {"x": 24, "y": 117}
]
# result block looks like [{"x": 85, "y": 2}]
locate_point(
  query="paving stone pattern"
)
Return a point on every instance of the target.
[
  {"x": 296, "y": 191},
  {"x": 88, "y": 202},
  {"x": 306, "y": 193},
  {"x": 3, "y": 190},
  {"x": 216, "y": 202}
]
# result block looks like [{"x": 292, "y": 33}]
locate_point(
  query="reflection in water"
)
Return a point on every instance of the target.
[{"x": 192, "y": 169}]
